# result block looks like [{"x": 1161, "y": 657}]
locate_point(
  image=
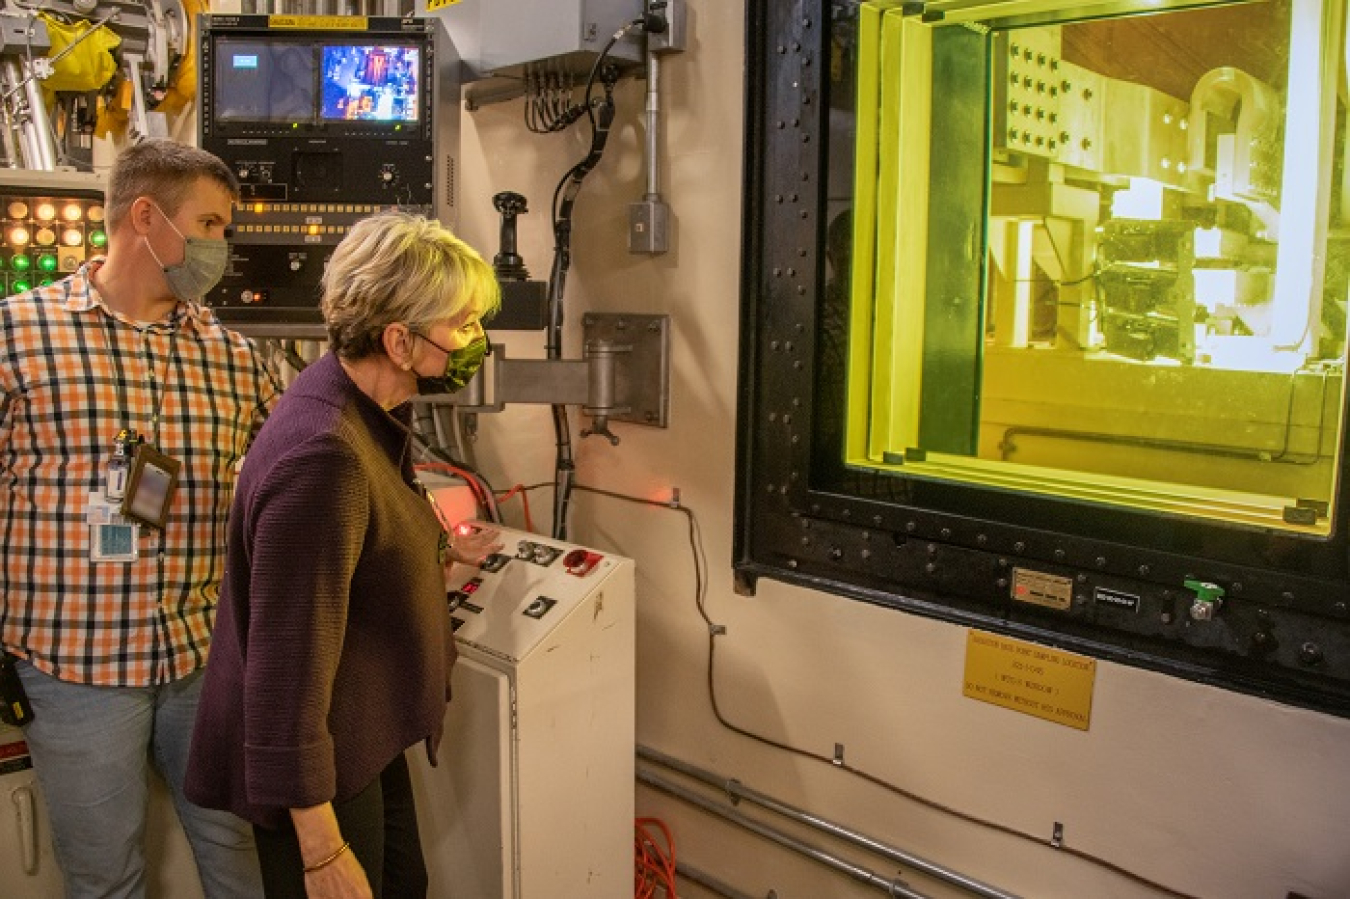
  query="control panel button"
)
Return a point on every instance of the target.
[{"x": 540, "y": 607}]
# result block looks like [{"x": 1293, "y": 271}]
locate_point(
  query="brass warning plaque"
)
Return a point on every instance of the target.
[
  {"x": 1041, "y": 589},
  {"x": 1030, "y": 678}
]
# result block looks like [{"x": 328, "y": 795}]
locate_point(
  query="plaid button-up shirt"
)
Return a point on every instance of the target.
[{"x": 72, "y": 374}]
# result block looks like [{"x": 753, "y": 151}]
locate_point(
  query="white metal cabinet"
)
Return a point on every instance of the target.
[{"x": 533, "y": 796}]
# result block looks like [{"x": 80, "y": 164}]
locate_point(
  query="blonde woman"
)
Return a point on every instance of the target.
[{"x": 333, "y": 647}]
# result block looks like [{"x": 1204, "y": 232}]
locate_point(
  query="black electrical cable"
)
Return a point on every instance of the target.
[
  {"x": 716, "y": 630},
  {"x": 564, "y": 198}
]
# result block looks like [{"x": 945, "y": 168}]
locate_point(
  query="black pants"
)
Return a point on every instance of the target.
[{"x": 381, "y": 824}]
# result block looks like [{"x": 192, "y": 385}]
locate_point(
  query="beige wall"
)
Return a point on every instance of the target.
[{"x": 1208, "y": 792}]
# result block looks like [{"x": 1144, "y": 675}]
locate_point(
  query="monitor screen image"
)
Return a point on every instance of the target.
[
  {"x": 370, "y": 83},
  {"x": 264, "y": 81}
]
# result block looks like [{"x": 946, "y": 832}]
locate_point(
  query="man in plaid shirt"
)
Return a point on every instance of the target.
[{"x": 109, "y": 618}]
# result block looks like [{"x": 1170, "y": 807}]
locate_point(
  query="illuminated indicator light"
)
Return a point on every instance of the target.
[
  {"x": 44, "y": 282},
  {"x": 47, "y": 262},
  {"x": 45, "y": 237},
  {"x": 72, "y": 212},
  {"x": 46, "y": 212},
  {"x": 18, "y": 210},
  {"x": 19, "y": 237},
  {"x": 95, "y": 213},
  {"x": 313, "y": 229},
  {"x": 257, "y": 209},
  {"x": 21, "y": 263},
  {"x": 71, "y": 237},
  {"x": 20, "y": 286},
  {"x": 98, "y": 239}
]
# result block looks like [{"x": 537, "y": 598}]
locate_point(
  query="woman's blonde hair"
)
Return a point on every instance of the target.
[{"x": 397, "y": 267}]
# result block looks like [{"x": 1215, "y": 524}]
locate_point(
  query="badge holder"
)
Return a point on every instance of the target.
[
  {"x": 150, "y": 487},
  {"x": 112, "y": 538}
]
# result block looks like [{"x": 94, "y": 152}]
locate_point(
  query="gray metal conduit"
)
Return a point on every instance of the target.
[
  {"x": 738, "y": 791},
  {"x": 894, "y": 887},
  {"x": 708, "y": 882}
]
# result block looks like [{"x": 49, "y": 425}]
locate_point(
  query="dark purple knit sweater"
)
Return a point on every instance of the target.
[{"x": 332, "y": 648}]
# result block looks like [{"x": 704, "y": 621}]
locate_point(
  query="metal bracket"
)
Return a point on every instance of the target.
[{"x": 624, "y": 375}]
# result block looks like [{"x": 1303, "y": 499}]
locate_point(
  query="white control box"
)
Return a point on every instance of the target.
[{"x": 534, "y": 792}]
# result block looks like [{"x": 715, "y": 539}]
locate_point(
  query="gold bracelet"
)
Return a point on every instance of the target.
[{"x": 310, "y": 869}]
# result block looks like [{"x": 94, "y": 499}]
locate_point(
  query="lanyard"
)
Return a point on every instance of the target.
[{"x": 158, "y": 385}]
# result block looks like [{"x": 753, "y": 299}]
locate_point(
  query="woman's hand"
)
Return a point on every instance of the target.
[
  {"x": 334, "y": 876},
  {"x": 472, "y": 542},
  {"x": 344, "y": 878}
]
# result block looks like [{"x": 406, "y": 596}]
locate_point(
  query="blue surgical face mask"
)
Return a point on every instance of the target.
[{"x": 203, "y": 265}]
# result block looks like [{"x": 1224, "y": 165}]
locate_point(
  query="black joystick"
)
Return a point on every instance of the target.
[{"x": 508, "y": 263}]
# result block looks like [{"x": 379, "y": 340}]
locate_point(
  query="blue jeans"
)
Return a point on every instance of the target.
[{"x": 92, "y": 748}]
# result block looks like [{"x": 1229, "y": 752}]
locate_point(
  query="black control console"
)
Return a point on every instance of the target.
[{"x": 324, "y": 120}]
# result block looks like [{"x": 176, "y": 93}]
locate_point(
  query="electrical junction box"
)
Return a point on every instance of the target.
[
  {"x": 510, "y": 42},
  {"x": 534, "y": 791}
]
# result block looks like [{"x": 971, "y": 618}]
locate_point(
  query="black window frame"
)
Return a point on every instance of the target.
[{"x": 949, "y": 551}]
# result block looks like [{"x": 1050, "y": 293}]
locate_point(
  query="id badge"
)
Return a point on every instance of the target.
[
  {"x": 150, "y": 487},
  {"x": 112, "y": 538}
]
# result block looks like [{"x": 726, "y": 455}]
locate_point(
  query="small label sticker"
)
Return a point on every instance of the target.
[
  {"x": 13, "y": 751},
  {"x": 1127, "y": 602},
  {"x": 326, "y": 23},
  {"x": 1041, "y": 589}
]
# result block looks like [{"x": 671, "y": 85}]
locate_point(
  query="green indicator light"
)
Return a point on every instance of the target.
[
  {"x": 47, "y": 263},
  {"x": 21, "y": 263},
  {"x": 295, "y": 125},
  {"x": 20, "y": 286},
  {"x": 98, "y": 238},
  {"x": 44, "y": 282}
]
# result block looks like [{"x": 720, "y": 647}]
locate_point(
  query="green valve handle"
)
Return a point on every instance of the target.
[
  {"x": 1208, "y": 598},
  {"x": 1205, "y": 591}
]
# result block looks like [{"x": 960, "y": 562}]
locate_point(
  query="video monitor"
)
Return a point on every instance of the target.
[
  {"x": 367, "y": 83},
  {"x": 264, "y": 81}
]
